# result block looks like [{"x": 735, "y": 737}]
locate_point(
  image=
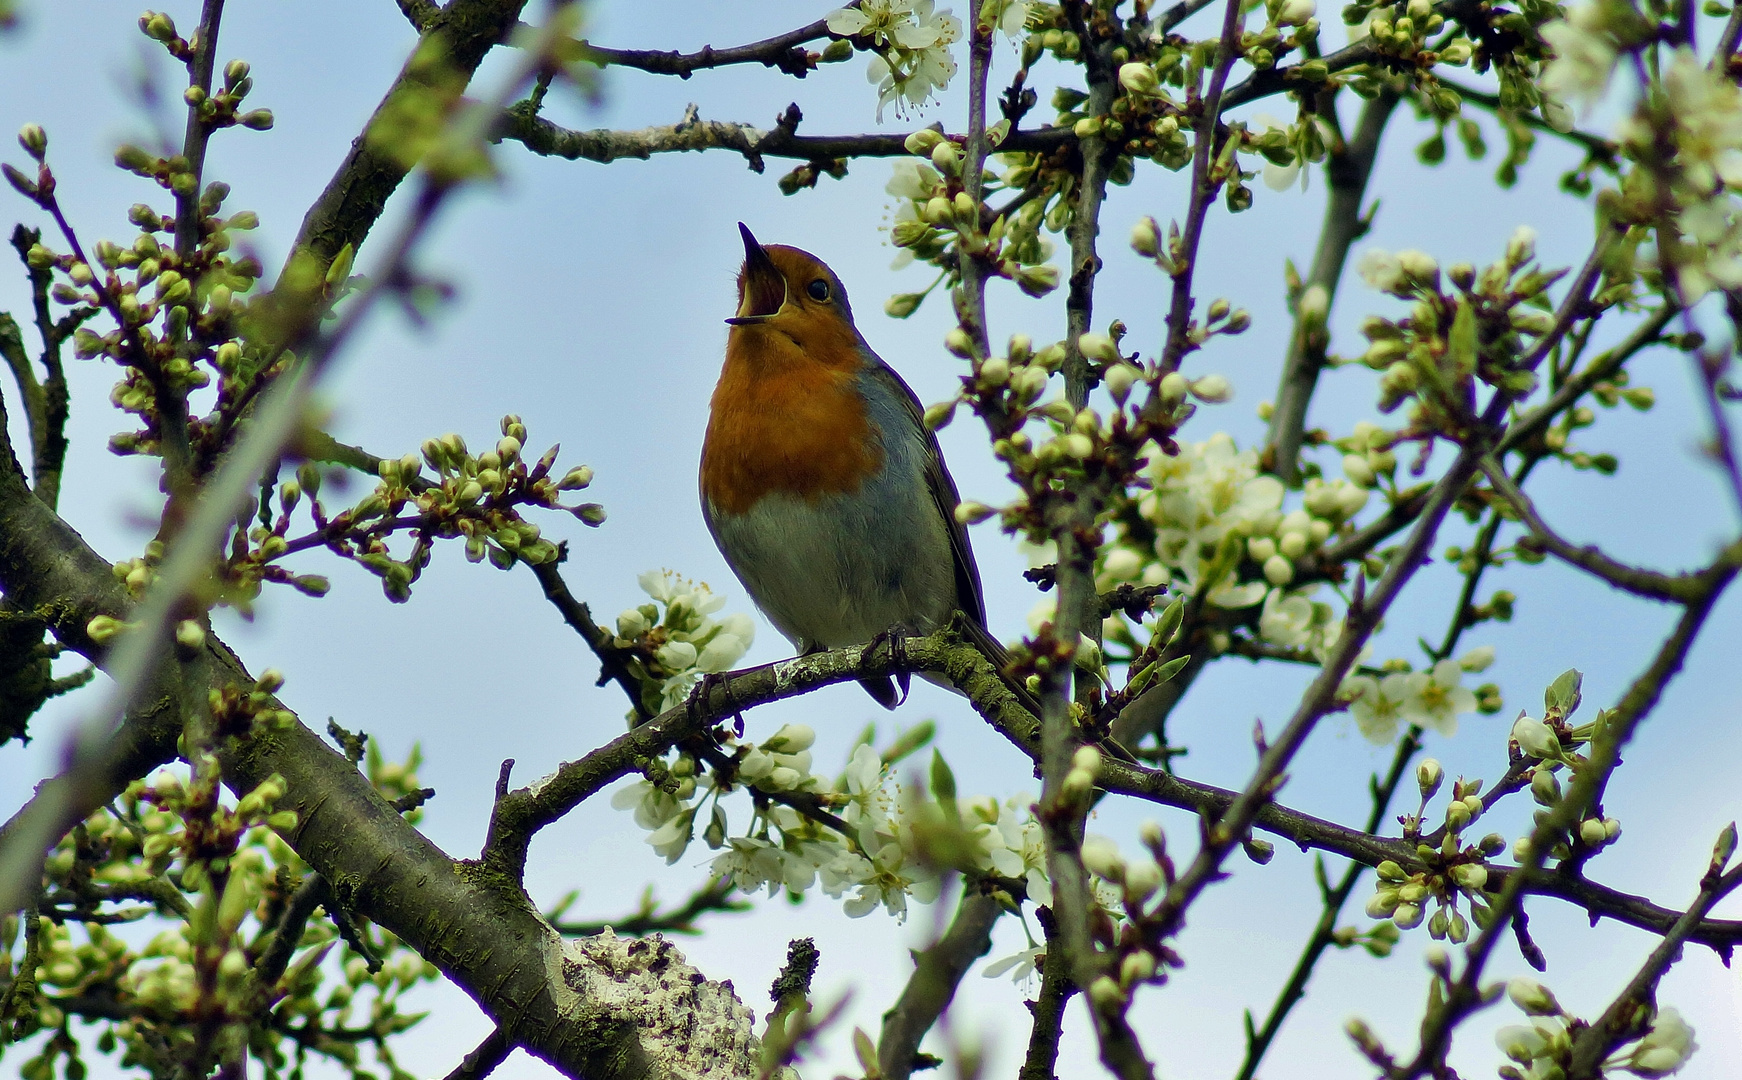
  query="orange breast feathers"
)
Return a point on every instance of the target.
[{"x": 787, "y": 418}]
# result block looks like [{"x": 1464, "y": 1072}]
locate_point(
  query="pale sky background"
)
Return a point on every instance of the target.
[{"x": 590, "y": 301}]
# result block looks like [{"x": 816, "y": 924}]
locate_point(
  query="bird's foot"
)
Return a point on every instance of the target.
[
  {"x": 695, "y": 705},
  {"x": 881, "y": 689}
]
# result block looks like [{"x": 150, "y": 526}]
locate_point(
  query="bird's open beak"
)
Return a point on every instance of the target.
[{"x": 764, "y": 284}]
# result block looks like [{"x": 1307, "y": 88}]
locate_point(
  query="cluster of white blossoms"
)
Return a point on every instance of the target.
[
  {"x": 1209, "y": 507},
  {"x": 1706, "y": 110},
  {"x": 1432, "y": 699},
  {"x": 1218, "y": 524},
  {"x": 881, "y": 860},
  {"x": 1699, "y": 109},
  {"x": 679, "y": 631},
  {"x": 1126, "y": 890},
  {"x": 912, "y": 41},
  {"x": 1584, "y": 61},
  {"x": 1544, "y": 1047}
]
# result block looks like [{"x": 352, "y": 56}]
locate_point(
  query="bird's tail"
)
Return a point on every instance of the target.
[{"x": 995, "y": 651}]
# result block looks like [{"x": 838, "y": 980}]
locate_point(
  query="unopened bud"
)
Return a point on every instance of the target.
[
  {"x": 1145, "y": 237},
  {"x": 1119, "y": 380},
  {"x": 1098, "y": 347},
  {"x": 1428, "y": 776},
  {"x": 34, "y": 140},
  {"x": 972, "y": 513}
]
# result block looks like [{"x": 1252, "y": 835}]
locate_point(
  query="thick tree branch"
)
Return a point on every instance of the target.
[
  {"x": 459, "y": 37},
  {"x": 938, "y": 970},
  {"x": 1347, "y": 171}
]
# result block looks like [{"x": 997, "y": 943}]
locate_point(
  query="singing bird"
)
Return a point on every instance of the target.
[{"x": 822, "y": 487}]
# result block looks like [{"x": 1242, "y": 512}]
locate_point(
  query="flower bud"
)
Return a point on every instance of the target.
[
  {"x": 258, "y": 120},
  {"x": 102, "y": 628},
  {"x": 1521, "y": 248},
  {"x": 1533, "y": 997},
  {"x": 1105, "y": 993},
  {"x": 1536, "y": 738},
  {"x": 1407, "y": 916},
  {"x": 901, "y": 305},
  {"x": 1098, "y": 347},
  {"x": 1140, "y": 78},
  {"x": 923, "y": 141},
  {"x": 946, "y": 158},
  {"x": 972, "y": 513},
  {"x": 1136, "y": 967},
  {"x": 157, "y": 26},
  {"x": 1472, "y": 876},
  {"x": 958, "y": 342},
  {"x": 1213, "y": 389},
  {"x": 576, "y": 478},
  {"x": 1591, "y": 832},
  {"x": 1119, "y": 379},
  {"x": 1145, "y": 237},
  {"x": 189, "y": 634},
  {"x": 1428, "y": 776},
  {"x": 34, "y": 140},
  {"x": 1545, "y": 787}
]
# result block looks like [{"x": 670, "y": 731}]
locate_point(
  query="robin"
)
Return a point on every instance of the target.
[{"x": 822, "y": 487}]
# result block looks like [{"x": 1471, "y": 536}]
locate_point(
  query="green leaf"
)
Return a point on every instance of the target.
[
  {"x": 1461, "y": 342},
  {"x": 943, "y": 781},
  {"x": 1562, "y": 696},
  {"x": 1169, "y": 622}
]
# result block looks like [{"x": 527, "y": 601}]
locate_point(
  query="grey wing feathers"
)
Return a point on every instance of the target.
[{"x": 943, "y": 490}]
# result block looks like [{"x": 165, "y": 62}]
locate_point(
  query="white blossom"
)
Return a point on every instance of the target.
[
  {"x": 1378, "y": 704},
  {"x": 1019, "y": 964},
  {"x": 1584, "y": 56},
  {"x": 1665, "y": 1048},
  {"x": 913, "y": 47},
  {"x": 1436, "y": 698}
]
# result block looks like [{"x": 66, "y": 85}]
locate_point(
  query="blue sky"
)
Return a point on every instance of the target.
[{"x": 590, "y": 300}]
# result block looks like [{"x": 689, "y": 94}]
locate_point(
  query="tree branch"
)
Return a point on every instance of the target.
[
  {"x": 938, "y": 970},
  {"x": 1617, "y": 1024},
  {"x": 783, "y": 51},
  {"x": 1347, "y": 171},
  {"x": 693, "y": 133},
  {"x": 1679, "y": 588}
]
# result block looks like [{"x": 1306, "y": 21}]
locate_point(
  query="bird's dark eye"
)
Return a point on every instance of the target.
[{"x": 819, "y": 290}]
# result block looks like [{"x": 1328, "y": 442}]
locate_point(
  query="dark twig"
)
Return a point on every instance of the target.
[
  {"x": 1203, "y": 191},
  {"x": 1056, "y": 989},
  {"x": 716, "y": 895},
  {"x": 1617, "y": 1023},
  {"x": 783, "y": 51},
  {"x": 483, "y": 1058},
  {"x": 1679, "y": 588}
]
